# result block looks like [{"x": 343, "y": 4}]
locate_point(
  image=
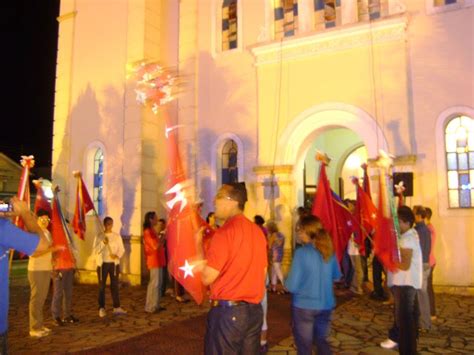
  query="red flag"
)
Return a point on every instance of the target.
[
  {"x": 84, "y": 204},
  {"x": 183, "y": 221},
  {"x": 385, "y": 238},
  {"x": 63, "y": 259},
  {"x": 41, "y": 202},
  {"x": 366, "y": 181},
  {"x": 365, "y": 214},
  {"x": 27, "y": 162},
  {"x": 336, "y": 219}
]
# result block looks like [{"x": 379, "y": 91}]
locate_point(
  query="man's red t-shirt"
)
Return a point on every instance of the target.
[{"x": 238, "y": 251}]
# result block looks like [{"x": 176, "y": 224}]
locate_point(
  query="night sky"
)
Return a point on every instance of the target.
[{"x": 28, "y": 30}]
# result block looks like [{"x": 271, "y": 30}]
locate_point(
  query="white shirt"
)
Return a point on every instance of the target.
[
  {"x": 102, "y": 251},
  {"x": 43, "y": 262},
  {"x": 412, "y": 276},
  {"x": 352, "y": 247}
]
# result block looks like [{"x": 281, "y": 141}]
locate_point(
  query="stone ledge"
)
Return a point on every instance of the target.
[{"x": 454, "y": 290}]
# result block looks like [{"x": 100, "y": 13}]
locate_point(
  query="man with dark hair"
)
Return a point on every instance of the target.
[
  {"x": 12, "y": 237},
  {"x": 235, "y": 270},
  {"x": 424, "y": 235},
  {"x": 403, "y": 283},
  {"x": 431, "y": 294},
  {"x": 108, "y": 249}
]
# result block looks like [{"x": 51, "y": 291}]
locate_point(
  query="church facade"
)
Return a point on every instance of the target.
[{"x": 266, "y": 84}]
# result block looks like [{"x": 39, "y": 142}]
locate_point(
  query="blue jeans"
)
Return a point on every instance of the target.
[
  {"x": 311, "y": 327},
  {"x": 234, "y": 330}
]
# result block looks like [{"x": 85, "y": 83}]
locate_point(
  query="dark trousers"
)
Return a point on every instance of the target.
[
  {"x": 347, "y": 269},
  {"x": 363, "y": 259},
  {"x": 3, "y": 344},
  {"x": 234, "y": 330},
  {"x": 311, "y": 327},
  {"x": 377, "y": 271},
  {"x": 63, "y": 280},
  {"x": 112, "y": 270},
  {"x": 431, "y": 293},
  {"x": 405, "y": 328}
]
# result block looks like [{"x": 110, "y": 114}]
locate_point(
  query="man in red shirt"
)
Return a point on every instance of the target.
[{"x": 235, "y": 271}]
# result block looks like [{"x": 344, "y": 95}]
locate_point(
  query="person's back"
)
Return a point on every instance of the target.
[
  {"x": 424, "y": 236},
  {"x": 312, "y": 282}
]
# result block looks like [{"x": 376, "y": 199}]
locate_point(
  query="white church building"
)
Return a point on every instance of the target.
[{"x": 267, "y": 83}]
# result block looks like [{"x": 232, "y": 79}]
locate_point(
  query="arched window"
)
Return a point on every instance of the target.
[
  {"x": 443, "y": 2},
  {"x": 286, "y": 18},
  {"x": 98, "y": 181},
  {"x": 459, "y": 147},
  {"x": 230, "y": 169},
  {"x": 229, "y": 24}
]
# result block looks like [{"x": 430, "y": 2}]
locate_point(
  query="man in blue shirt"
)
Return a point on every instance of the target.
[{"x": 11, "y": 237}]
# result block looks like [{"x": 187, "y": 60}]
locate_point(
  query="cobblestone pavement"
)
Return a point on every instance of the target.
[{"x": 359, "y": 324}]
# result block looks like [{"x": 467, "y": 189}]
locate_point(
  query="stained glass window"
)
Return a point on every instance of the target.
[
  {"x": 286, "y": 18},
  {"x": 327, "y": 13},
  {"x": 459, "y": 145},
  {"x": 443, "y": 2},
  {"x": 98, "y": 181},
  {"x": 229, "y": 24},
  {"x": 230, "y": 169}
]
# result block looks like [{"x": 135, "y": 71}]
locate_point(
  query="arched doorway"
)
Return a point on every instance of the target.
[{"x": 344, "y": 126}]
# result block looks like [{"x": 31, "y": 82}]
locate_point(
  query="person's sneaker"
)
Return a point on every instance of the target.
[
  {"x": 58, "y": 321},
  {"x": 264, "y": 348},
  {"x": 388, "y": 344},
  {"x": 102, "y": 312},
  {"x": 38, "y": 333},
  {"x": 47, "y": 330},
  {"x": 119, "y": 311},
  {"x": 70, "y": 319}
]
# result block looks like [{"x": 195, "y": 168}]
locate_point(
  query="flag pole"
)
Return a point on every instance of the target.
[{"x": 27, "y": 162}]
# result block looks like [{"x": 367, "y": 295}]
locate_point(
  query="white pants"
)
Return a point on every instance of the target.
[{"x": 154, "y": 290}]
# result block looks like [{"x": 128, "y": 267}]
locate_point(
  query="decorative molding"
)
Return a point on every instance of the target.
[
  {"x": 277, "y": 169},
  {"x": 401, "y": 160},
  {"x": 338, "y": 39},
  {"x": 66, "y": 16}
]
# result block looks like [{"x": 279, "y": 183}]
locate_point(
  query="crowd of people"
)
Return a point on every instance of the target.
[{"x": 241, "y": 263}]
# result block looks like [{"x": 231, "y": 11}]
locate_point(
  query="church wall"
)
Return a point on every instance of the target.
[{"x": 442, "y": 67}]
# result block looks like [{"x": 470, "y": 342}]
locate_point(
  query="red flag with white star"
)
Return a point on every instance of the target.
[
  {"x": 183, "y": 220},
  {"x": 84, "y": 204}
]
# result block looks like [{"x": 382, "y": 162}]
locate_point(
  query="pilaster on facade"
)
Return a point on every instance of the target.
[
  {"x": 61, "y": 127},
  {"x": 188, "y": 52}
]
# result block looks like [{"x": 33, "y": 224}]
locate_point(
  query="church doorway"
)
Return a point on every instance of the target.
[{"x": 347, "y": 152}]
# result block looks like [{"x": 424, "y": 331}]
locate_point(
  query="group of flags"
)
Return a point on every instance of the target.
[
  {"x": 58, "y": 226},
  {"x": 366, "y": 221}
]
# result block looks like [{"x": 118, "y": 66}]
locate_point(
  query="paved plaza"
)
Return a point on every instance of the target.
[{"x": 358, "y": 326}]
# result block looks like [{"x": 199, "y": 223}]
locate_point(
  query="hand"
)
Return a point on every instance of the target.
[
  {"x": 56, "y": 248},
  {"x": 19, "y": 207},
  {"x": 106, "y": 240},
  {"x": 113, "y": 256}
]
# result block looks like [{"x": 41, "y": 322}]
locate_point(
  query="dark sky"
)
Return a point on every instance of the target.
[{"x": 28, "y": 35}]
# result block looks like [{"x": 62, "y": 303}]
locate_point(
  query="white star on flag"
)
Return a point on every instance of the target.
[
  {"x": 169, "y": 129},
  {"x": 188, "y": 269},
  {"x": 141, "y": 96},
  {"x": 179, "y": 196}
]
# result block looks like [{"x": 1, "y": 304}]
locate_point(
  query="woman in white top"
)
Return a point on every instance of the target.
[
  {"x": 39, "y": 277},
  {"x": 108, "y": 249}
]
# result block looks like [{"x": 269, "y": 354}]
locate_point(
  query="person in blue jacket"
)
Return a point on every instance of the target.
[{"x": 310, "y": 281}]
